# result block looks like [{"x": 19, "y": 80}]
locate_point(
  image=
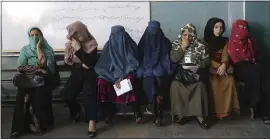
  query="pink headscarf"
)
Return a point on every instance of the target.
[{"x": 79, "y": 32}]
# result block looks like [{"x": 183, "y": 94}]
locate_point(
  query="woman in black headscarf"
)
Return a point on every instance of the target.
[
  {"x": 221, "y": 79},
  {"x": 155, "y": 65},
  {"x": 117, "y": 62}
]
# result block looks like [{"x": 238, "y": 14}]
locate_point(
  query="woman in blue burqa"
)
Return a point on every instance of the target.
[
  {"x": 117, "y": 62},
  {"x": 155, "y": 66}
]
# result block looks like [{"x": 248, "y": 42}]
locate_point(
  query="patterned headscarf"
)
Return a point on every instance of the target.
[{"x": 196, "y": 49}]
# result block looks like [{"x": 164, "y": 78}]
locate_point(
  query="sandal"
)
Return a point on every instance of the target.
[
  {"x": 266, "y": 120},
  {"x": 157, "y": 120},
  {"x": 138, "y": 117},
  {"x": 36, "y": 131},
  {"x": 39, "y": 133},
  {"x": 149, "y": 111},
  {"x": 33, "y": 128},
  {"x": 76, "y": 118}
]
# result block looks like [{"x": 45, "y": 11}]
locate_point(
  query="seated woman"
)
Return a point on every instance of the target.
[
  {"x": 117, "y": 62},
  {"x": 188, "y": 94},
  {"x": 242, "y": 50},
  {"x": 221, "y": 79},
  {"x": 81, "y": 55},
  {"x": 33, "y": 107},
  {"x": 155, "y": 64}
]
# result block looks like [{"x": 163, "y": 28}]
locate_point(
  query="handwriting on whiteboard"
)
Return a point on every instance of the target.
[
  {"x": 99, "y": 13},
  {"x": 107, "y": 9},
  {"x": 54, "y": 17},
  {"x": 92, "y": 13},
  {"x": 59, "y": 18}
]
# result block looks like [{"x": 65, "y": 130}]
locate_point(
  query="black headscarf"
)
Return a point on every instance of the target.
[{"x": 214, "y": 43}]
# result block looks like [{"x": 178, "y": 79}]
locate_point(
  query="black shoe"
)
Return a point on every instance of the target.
[
  {"x": 203, "y": 124},
  {"x": 15, "y": 135},
  {"x": 92, "y": 134},
  {"x": 76, "y": 118},
  {"x": 158, "y": 120},
  {"x": 108, "y": 119},
  {"x": 181, "y": 120}
]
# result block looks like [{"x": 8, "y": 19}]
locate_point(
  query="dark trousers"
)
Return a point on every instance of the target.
[
  {"x": 155, "y": 88},
  {"x": 40, "y": 100},
  {"x": 249, "y": 74},
  {"x": 82, "y": 80},
  {"x": 257, "y": 87}
]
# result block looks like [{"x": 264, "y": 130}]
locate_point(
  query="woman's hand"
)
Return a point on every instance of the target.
[
  {"x": 86, "y": 67},
  {"x": 194, "y": 69},
  {"x": 118, "y": 85},
  {"x": 159, "y": 99},
  {"x": 75, "y": 44},
  {"x": 39, "y": 44},
  {"x": 185, "y": 44},
  {"x": 41, "y": 70},
  {"x": 41, "y": 57},
  {"x": 221, "y": 70}
]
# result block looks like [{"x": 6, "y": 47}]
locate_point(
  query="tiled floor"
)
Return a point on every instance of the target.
[{"x": 125, "y": 127}]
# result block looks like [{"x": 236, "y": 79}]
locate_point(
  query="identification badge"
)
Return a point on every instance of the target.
[{"x": 187, "y": 59}]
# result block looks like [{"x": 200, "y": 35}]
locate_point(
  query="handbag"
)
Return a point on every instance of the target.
[
  {"x": 186, "y": 76},
  {"x": 29, "y": 77},
  {"x": 28, "y": 80}
]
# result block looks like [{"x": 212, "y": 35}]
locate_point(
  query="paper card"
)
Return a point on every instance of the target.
[{"x": 125, "y": 87}]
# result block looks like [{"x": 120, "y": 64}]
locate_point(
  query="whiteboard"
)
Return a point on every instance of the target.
[{"x": 54, "y": 17}]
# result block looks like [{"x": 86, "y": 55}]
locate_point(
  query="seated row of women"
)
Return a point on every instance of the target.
[{"x": 203, "y": 73}]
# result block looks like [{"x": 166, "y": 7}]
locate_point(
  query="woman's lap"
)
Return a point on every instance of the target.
[{"x": 106, "y": 92}]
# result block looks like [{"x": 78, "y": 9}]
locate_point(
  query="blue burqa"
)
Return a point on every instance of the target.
[
  {"x": 154, "y": 58},
  {"x": 119, "y": 56}
]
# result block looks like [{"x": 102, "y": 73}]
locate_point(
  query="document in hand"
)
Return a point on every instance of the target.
[{"x": 125, "y": 87}]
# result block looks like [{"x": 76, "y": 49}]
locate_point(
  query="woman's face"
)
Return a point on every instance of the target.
[
  {"x": 35, "y": 33},
  {"x": 218, "y": 29},
  {"x": 186, "y": 35}
]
